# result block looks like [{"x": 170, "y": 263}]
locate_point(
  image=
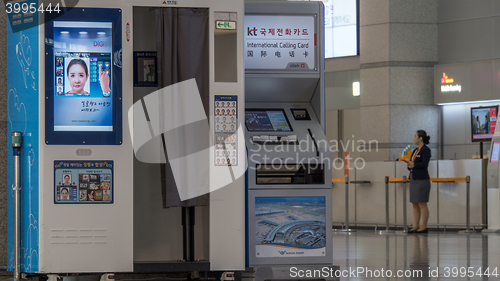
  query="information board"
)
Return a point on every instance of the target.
[
  {"x": 280, "y": 42},
  {"x": 83, "y": 182}
]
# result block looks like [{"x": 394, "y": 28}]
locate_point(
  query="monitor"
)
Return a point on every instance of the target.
[
  {"x": 83, "y": 78},
  {"x": 267, "y": 120},
  {"x": 483, "y": 123}
]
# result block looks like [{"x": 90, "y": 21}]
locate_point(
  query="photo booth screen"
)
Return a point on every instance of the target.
[
  {"x": 483, "y": 123},
  {"x": 83, "y": 94},
  {"x": 267, "y": 120}
]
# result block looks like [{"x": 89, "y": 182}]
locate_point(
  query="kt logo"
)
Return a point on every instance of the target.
[{"x": 252, "y": 32}]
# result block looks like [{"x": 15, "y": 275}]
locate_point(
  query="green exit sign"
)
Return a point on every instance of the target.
[{"x": 220, "y": 24}]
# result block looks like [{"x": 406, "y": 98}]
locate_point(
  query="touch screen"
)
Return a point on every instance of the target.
[
  {"x": 262, "y": 120},
  {"x": 83, "y": 94}
]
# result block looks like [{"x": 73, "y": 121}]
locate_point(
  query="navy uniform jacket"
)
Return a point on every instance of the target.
[{"x": 419, "y": 171}]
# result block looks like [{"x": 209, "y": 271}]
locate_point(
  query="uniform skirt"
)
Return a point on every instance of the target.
[{"x": 419, "y": 190}]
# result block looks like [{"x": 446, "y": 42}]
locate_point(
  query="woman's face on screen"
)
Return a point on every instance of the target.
[{"x": 77, "y": 78}]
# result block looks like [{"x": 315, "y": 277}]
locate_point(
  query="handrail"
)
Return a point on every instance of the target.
[{"x": 400, "y": 180}]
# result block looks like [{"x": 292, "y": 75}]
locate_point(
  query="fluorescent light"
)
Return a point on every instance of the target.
[
  {"x": 355, "y": 89},
  {"x": 64, "y": 32},
  {"x": 83, "y": 32},
  {"x": 469, "y": 102},
  {"x": 101, "y": 33}
]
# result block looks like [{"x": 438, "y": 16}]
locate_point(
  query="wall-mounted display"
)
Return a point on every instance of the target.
[{"x": 483, "y": 123}]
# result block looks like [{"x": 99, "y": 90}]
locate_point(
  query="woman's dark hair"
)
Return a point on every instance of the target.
[
  {"x": 423, "y": 134},
  {"x": 64, "y": 188},
  {"x": 80, "y": 62}
]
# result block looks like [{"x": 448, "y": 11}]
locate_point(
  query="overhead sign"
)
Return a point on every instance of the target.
[
  {"x": 230, "y": 25},
  {"x": 448, "y": 86},
  {"x": 280, "y": 42}
]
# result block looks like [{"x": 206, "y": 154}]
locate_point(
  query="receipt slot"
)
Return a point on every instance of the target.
[{"x": 288, "y": 182}]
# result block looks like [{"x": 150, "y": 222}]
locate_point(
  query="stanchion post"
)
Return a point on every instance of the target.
[
  {"x": 347, "y": 203},
  {"x": 467, "y": 221},
  {"x": 405, "y": 226},
  {"x": 17, "y": 142},
  {"x": 386, "y": 203}
]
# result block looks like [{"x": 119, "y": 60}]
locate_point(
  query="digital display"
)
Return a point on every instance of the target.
[
  {"x": 495, "y": 152},
  {"x": 83, "y": 182},
  {"x": 483, "y": 123},
  {"x": 262, "y": 120},
  {"x": 341, "y": 28},
  {"x": 83, "y": 94}
]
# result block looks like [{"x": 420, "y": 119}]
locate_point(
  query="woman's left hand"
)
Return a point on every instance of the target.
[{"x": 411, "y": 164}]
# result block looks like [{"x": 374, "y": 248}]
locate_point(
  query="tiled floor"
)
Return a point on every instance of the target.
[{"x": 434, "y": 256}]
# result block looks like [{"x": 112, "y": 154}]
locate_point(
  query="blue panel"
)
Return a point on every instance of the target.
[
  {"x": 23, "y": 113},
  {"x": 83, "y": 109}
]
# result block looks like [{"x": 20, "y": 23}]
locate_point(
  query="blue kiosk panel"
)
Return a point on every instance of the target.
[{"x": 23, "y": 116}]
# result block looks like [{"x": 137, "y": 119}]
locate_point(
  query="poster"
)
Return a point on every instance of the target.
[
  {"x": 145, "y": 74},
  {"x": 83, "y": 182},
  {"x": 290, "y": 227},
  {"x": 226, "y": 125}
]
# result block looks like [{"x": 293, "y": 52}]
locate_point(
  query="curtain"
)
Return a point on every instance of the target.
[{"x": 183, "y": 54}]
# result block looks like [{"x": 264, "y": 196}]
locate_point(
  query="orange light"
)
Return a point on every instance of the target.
[{"x": 111, "y": 277}]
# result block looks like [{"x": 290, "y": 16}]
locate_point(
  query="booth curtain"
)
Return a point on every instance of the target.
[{"x": 183, "y": 53}]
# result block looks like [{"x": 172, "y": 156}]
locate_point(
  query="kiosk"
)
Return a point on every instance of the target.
[
  {"x": 289, "y": 167},
  {"x": 493, "y": 185},
  {"x": 84, "y": 205}
]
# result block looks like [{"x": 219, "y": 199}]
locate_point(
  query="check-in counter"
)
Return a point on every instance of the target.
[{"x": 447, "y": 201}]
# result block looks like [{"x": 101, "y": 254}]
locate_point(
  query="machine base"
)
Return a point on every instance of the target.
[
  {"x": 291, "y": 272},
  {"x": 142, "y": 267}
]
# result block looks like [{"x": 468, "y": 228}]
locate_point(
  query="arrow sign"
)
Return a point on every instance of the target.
[{"x": 230, "y": 25}]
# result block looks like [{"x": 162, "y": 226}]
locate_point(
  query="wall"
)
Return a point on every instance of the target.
[
  {"x": 468, "y": 39},
  {"x": 468, "y": 30},
  {"x": 3, "y": 135},
  {"x": 338, "y": 90}
]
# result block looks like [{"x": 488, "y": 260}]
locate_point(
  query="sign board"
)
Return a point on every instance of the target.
[
  {"x": 280, "y": 42},
  {"x": 230, "y": 25}
]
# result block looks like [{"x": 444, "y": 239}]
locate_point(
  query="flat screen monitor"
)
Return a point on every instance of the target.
[
  {"x": 267, "y": 120},
  {"x": 483, "y": 123},
  {"x": 495, "y": 152},
  {"x": 83, "y": 78}
]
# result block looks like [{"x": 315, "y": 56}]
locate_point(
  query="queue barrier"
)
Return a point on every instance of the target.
[
  {"x": 404, "y": 180},
  {"x": 346, "y": 181}
]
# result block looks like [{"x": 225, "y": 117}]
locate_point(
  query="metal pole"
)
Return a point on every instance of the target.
[
  {"x": 347, "y": 203},
  {"x": 17, "y": 141},
  {"x": 386, "y": 203},
  {"x": 468, "y": 203},
  {"x": 405, "y": 226},
  {"x": 467, "y": 215}
]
